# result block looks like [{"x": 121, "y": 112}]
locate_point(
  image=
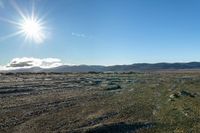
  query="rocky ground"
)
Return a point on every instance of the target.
[{"x": 96, "y": 102}]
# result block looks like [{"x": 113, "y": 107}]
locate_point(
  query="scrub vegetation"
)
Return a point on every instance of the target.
[{"x": 151, "y": 102}]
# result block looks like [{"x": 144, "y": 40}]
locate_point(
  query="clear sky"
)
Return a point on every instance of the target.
[{"x": 106, "y": 32}]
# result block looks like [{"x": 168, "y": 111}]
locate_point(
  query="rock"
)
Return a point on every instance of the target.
[
  {"x": 180, "y": 94},
  {"x": 172, "y": 96}
]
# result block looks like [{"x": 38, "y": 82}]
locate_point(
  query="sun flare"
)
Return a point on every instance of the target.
[
  {"x": 30, "y": 25},
  {"x": 32, "y": 29}
]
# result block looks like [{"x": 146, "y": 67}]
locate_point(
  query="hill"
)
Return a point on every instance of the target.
[{"x": 117, "y": 68}]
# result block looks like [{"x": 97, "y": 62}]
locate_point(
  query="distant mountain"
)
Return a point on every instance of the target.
[
  {"x": 116, "y": 68},
  {"x": 155, "y": 67},
  {"x": 32, "y": 69},
  {"x": 81, "y": 68}
]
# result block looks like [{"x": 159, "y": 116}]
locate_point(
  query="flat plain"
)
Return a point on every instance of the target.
[{"x": 153, "y": 102}]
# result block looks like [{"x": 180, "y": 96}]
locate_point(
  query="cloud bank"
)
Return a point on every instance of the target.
[{"x": 29, "y": 62}]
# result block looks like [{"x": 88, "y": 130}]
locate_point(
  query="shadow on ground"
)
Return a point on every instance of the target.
[{"x": 120, "y": 128}]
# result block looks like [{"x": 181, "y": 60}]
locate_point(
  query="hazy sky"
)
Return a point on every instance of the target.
[{"x": 106, "y": 32}]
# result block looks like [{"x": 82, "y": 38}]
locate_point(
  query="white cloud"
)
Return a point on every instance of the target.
[
  {"x": 28, "y": 62},
  {"x": 78, "y": 35},
  {"x": 2, "y": 67}
]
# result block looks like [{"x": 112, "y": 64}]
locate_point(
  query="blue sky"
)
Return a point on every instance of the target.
[{"x": 107, "y": 32}]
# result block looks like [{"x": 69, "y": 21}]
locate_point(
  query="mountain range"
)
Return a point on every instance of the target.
[{"x": 139, "y": 67}]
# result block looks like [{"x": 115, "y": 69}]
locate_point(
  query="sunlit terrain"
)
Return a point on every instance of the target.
[
  {"x": 99, "y": 66},
  {"x": 96, "y": 102}
]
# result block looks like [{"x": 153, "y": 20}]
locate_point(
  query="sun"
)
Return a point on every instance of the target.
[
  {"x": 30, "y": 25},
  {"x": 32, "y": 29}
]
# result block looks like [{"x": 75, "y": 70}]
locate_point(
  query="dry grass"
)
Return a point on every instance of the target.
[{"x": 118, "y": 102}]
